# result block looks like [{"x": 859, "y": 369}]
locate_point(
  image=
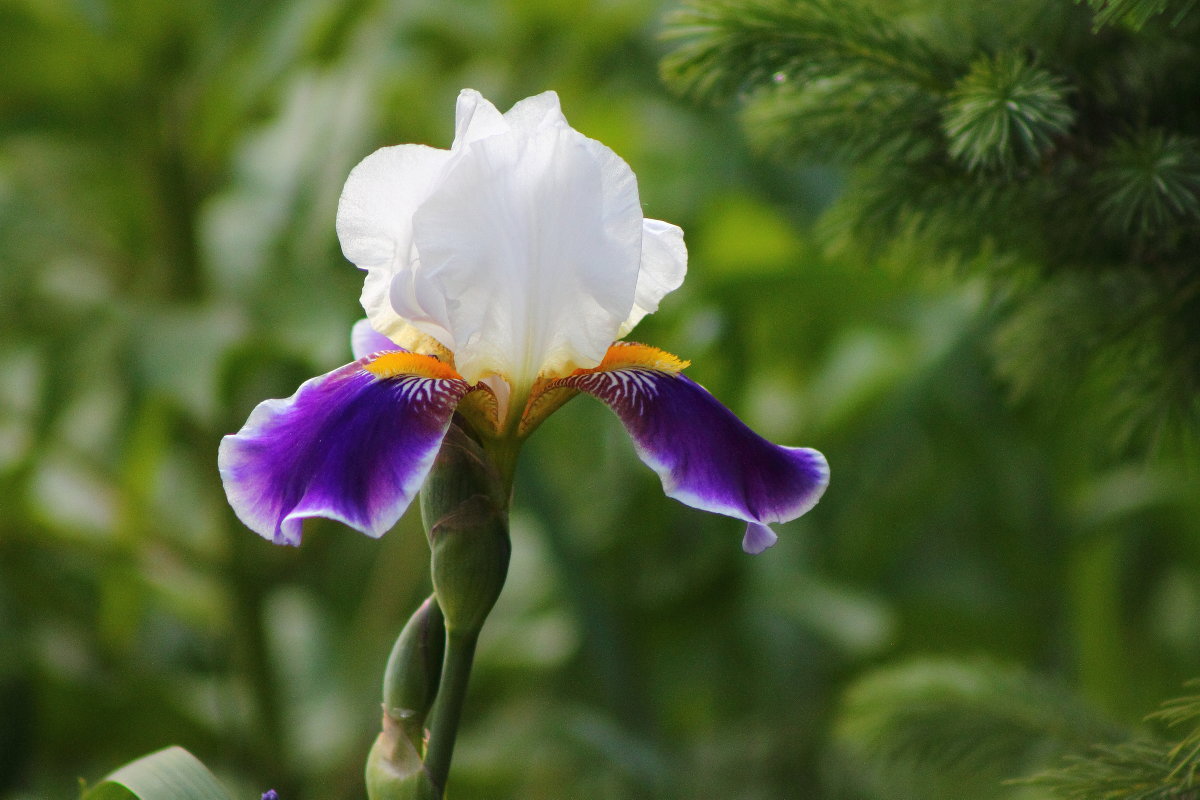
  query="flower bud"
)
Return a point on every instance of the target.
[
  {"x": 414, "y": 668},
  {"x": 465, "y": 508},
  {"x": 394, "y": 767}
]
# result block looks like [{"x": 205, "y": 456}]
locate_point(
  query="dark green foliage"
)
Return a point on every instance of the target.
[
  {"x": 1005, "y": 112},
  {"x": 1051, "y": 163},
  {"x": 945, "y": 729},
  {"x": 1119, "y": 328},
  {"x": 1015, "y": 137},
  {"x": 726, "y": 47},
  {"x": 1150, "y": 185},
  {"x": 1136, "y": 13},
  {"x": 1144, "y": 768},
  {"x": 840, "y": 62},
  {"x": 942, "y": 729}
]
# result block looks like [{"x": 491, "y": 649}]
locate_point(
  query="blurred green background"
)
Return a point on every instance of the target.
[{"x": 169, "y": 175}]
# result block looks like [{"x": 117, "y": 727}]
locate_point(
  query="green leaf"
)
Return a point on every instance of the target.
[{"x": 170, "y": 774}]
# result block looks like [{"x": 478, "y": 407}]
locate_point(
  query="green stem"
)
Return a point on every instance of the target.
[{"x": 443, "y": 728}]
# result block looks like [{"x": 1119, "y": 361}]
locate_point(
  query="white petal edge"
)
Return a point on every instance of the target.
[
  {"x": 663, "y": 268},
  {"x": 477, "y": 118},
  {"x": 374, "y": 221}
]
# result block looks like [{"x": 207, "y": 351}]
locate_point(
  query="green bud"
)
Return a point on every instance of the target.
[
  {"x": 410, "y": 682},
  {"x": 395, "y": 770},
  {"x": 470, "y": 561},
  {"x": 465, "y": 508}
]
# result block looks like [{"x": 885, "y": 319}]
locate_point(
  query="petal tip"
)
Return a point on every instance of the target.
[
  {"x": 816, "y": 471},
  {"x": 758, "y": 538}
]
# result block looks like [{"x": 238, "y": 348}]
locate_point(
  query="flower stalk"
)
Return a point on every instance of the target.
[
  {"x": 447, "y": 713},
  {"x": 464, "y": 505}
]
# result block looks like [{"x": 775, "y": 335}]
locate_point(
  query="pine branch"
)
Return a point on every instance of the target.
[
  {"x": 1149, "y": 183},
  {"x": 1136, "y": 13},
  {"x": 822, "y": 118},
  {"x": 1185, "y": 755},
  {"x": 942, "y": 729},
  {"x": 1129, "y": 338},
  {"x": 1008, "y": 156},
  {"x": 727, "y": 49},
  {"x": 1005, "y": 112},
  {"x": 1141, "y": 769}
]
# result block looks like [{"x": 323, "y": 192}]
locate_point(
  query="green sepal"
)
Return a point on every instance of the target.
[{"x": 170, "y": 774}]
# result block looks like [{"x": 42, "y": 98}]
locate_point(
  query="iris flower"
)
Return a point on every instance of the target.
[{"x": 499, "y": 276}]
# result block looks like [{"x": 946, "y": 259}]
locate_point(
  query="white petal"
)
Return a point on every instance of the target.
[
  {"x": 522, "y": 249},
  {"x": 374, "y": 221},
  {"x": 532, "y": 239},
  {"x": 535, "y": 113},
  {"x": 664, "y": 265},
  {"x": 475, "y": 118}
]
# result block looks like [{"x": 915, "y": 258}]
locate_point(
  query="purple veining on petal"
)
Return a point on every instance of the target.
[
  {"x": 365, "y": 340},
  {"x": 707, "y": 457},
  {"x": 348, "y": 445}
]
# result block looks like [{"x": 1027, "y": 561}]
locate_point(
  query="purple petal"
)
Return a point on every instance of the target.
[
  {"x": 352, "y": 445},
  {"x": 707, "y": 457},
  {"x": 365, "y": 340},
  {"x": 758, "y": 538}
]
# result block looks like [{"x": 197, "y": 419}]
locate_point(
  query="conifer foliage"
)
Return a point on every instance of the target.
[
  {"x": 934, "y": 729},
  {"x": 1051, "y": 145}
]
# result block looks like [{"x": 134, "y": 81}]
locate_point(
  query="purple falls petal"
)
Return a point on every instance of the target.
[
  {"x": 348, "y": 445},
  {"x": 707, "y": 457}
]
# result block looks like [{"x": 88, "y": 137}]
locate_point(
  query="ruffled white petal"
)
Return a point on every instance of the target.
[
  {"x": 475, "y": 118},
  {"x": 663, "y": 267},
  {"x": 536, "y": 113},
  {"x": 374, "y": 221},
  {"x": 533, "y": 240},
  {"x": 522, "y": 249}
]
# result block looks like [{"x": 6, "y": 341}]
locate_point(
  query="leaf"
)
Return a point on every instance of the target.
[{"x": 170, "y": 774}]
